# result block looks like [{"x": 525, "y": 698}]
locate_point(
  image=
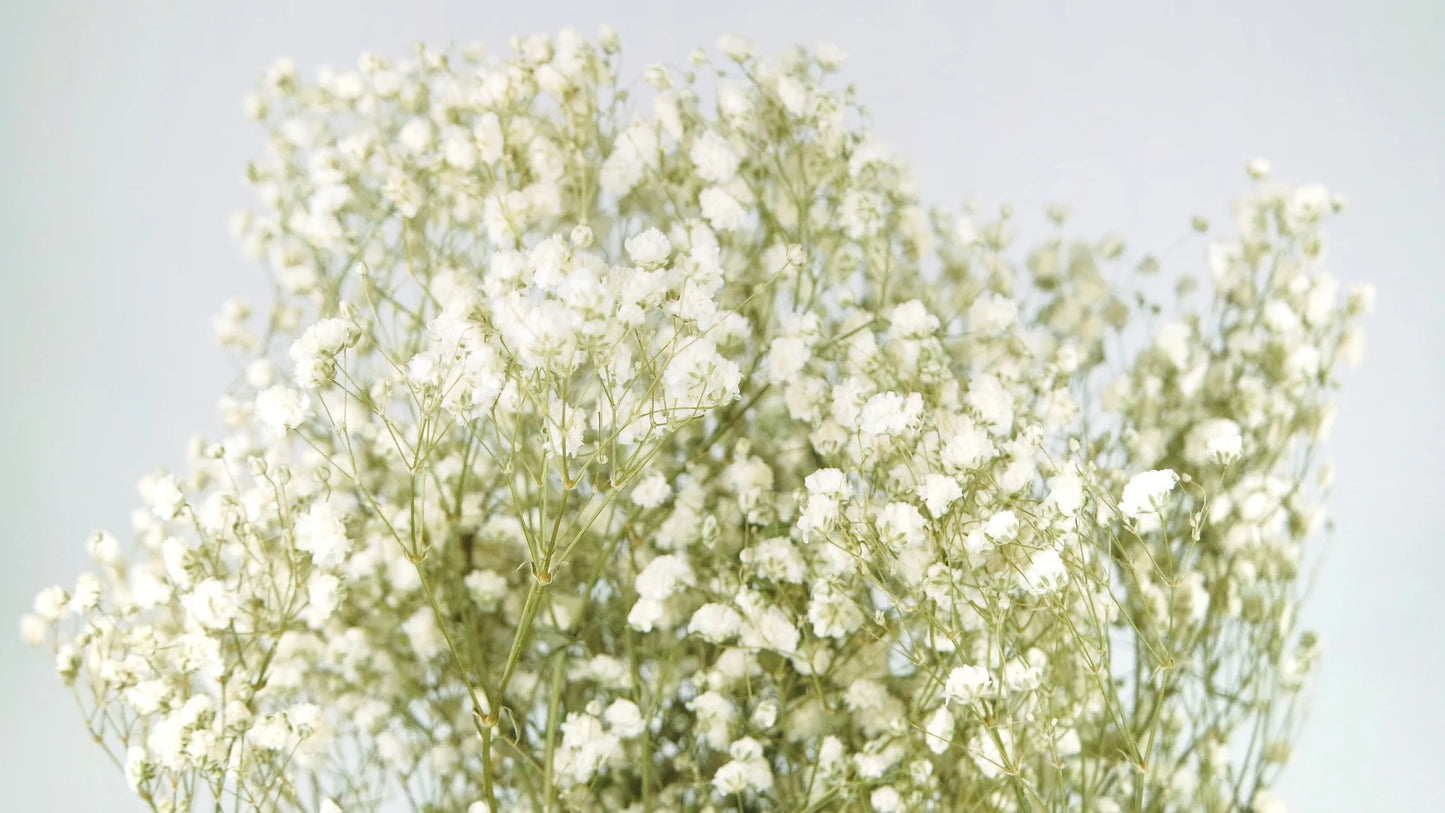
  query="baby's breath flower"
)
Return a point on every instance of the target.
[
  {"x": 830, "y": 56},
  {"x": 1206, "y": 437},
  {"x": 886, "y": 800},
  {"x": 321, "y": 533},
  {"x": 715, "y": 622},
  {"x": 1045, "y": 572},
  {"x": 940, "y": 730},
  {"x": 1173, "y": 341},
  {"x": 662, "y": 576},
  {"x": 991, "y": 314},
  {"x": 606, "y": 447},
  {"x": 1067, "y": 492},
  {"x": 747, "y": 771},
  {"x": 1145, "y": 492},
  {"x": 714, "y": 159},
  {"x": 651, "y": 492},
  {"x": 50, "y": 603},
  {"x": 624, "y": 719},
  {"x": 722, "y": 210},
  {"x": 966, "y": 684},
  {"x": 163, "y": 494},
  {"x": 889, "y": 413},
  {"x": 33, "y": 629},
  {"x": 649, "y": 249},
  {"x": 912, "y": 319},
  {"x": 734, "y": 47},
  {"x": 1225, "y": 449},
  {"x": 1264, "y": 801},
  {"x": 938, "y": 492},
  {"x": 281, "y": 408},
  {"x": 210, "y": 604},
  {"x": 1002, "y": 526}
]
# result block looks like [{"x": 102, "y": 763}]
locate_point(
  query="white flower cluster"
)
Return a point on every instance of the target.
[{"x": 608, "y": 448}]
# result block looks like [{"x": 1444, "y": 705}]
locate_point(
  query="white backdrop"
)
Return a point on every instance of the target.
[{"x": 123, "y": 143}]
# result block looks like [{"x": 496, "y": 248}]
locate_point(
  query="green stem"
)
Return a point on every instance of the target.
[
  {"x": 529, "y": 613},
  {"x": 487, "y": 767}
]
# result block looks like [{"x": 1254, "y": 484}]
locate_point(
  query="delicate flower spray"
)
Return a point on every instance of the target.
[{"x": 647, "y": 446}]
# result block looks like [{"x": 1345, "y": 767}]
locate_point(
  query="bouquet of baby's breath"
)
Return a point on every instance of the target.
[{"x": 647, "y": 446}]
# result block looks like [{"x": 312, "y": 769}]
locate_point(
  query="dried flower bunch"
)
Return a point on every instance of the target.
[{"x": 649, "y": 447}]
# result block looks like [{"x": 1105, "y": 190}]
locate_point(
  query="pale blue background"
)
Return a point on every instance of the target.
[{"x": 123, "y": 143}]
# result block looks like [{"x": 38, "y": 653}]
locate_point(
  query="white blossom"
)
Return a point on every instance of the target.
[
  {"x": 649, "y": 248},
  {"x": 33, "y": 629},
  {"x": 715, "y": 622},
  {"x": 1146, "y": 491},
  {"x": 912, "y": 319},
  {"x": 624, "y": 719},
  {"x": 889, "y": 413},
  {"x": 1264, "y": 801},
  {"x": 940, "y": 730},
  {"x": 211, "y": 604},
  {"x": 281, "y": 408},
  {"x": 50, "y": 603},
  {"x": 886, "y": 800},
  {"x": 991, "y": 314},
  {"x": 586, "y": 747},
  {"x": 1045, "y": 572},
  {"x": 1225, "y": 449},
  {"x": 1067, "y": 492},
  {"x": 1173, "y": 341},
  {"x": 966, "y": 684},
  {"x": 714, "y": 159},
  {"x": 651, "y": 492},
  {"x": 662, "y": 576},
  {"x": 321, "y": 532},
  {"x": 748, "y": 770},
  {"x": 722, "y": 210},
  {"x": 938, "y": 492},
  {"x": 1002, "y": 526}
]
